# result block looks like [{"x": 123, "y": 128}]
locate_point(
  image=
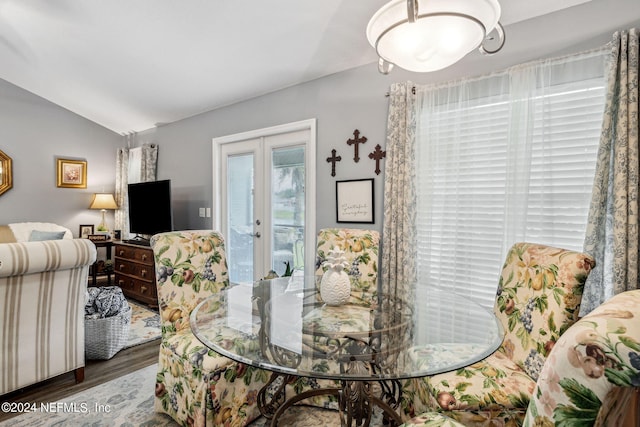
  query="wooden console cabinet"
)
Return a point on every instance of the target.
[{"x": 135, "y": 272}]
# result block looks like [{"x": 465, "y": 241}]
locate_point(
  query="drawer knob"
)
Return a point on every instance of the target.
[
  {"x": 120, "y": 282},
  {"x": 121, "y": 252},
  {"x": 143, "y": 272},
  {"x": 144, "y": 257},
  {"x": 121, "y": 267},
  {"x": 143, "y": 289}
]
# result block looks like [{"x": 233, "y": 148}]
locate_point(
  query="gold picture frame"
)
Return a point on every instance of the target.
[
  {"x": 6, "y": 174},
  {"x": 72, "y": 173}
]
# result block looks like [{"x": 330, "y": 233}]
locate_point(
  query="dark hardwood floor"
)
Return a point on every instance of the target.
[{"x": 96, "y": 372}]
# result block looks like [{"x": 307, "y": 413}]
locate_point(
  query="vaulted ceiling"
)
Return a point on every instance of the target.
[{"x": 132, "y": 64}]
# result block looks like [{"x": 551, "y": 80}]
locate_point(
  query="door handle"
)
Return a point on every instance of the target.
[{"x": 256, "y": 234}]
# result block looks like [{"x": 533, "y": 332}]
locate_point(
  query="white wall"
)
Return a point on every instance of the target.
[{"x": 34, "y": 133}]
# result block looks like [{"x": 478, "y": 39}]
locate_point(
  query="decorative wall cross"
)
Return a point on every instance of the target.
[
  {"x": 333, "y": 159},
  {"x": 355, "y": 141},
  {"x": 377, "y": 155}
]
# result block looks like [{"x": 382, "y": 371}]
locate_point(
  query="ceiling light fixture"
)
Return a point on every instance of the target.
[{"x": 429, "y": 35}]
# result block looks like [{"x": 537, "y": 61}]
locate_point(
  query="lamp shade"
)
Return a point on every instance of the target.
[
  {"x": 440, "y": 32},
  {"x": 103, "y": 201}
]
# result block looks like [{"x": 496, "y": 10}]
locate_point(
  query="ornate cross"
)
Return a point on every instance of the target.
[
  {"x": 355, "y": 141},
  {"x": 333, "y": 159},
  {"x": 377, "y": 155}
]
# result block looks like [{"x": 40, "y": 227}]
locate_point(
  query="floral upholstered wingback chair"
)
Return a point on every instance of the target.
[
  {"x": 593, "y": 370},
  {"x": 538, "y": 299},
  {"x": 361, "y": 251},
  {"x": 591, "y": 373},
  {"x": 195, "y": 385}
]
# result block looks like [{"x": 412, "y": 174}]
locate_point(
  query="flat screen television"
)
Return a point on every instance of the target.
[{"x": 149, "y": 210}]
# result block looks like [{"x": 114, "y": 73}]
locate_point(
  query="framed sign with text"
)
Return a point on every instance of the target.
[{"x": 354, "y": 201}]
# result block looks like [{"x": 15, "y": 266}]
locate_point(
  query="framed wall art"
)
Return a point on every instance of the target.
[
  {"x": 354, "y": 201},
  {"x": 6, "y": 174},
  {"x": 85, "y": 231},
  {"x": 72, "y": 173}
]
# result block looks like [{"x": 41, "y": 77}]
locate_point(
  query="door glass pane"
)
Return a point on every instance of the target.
[
  {"x": 287, "y": 208},
  {"x": 240, "y": 218}
]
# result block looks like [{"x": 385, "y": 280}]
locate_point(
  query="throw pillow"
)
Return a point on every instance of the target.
[
  {"x": 6, "y": 235},
  {"x": 39, "y": 236}
]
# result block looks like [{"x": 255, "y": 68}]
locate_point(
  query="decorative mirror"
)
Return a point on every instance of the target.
[{"x": 6, "y": 180}]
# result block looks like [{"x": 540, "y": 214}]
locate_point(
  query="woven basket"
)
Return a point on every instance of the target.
[{"x": 105, "y": 337}]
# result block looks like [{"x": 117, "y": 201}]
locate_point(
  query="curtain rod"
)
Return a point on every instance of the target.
[
  {"x": 596, "y": 50},
  {"x": 413, "y": 92}
]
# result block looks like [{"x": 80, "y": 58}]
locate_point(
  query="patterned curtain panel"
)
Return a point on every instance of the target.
[
  {"x": 612, "y": 231},
  {"x": 122, "y": 199},
  {"x": 399, "y": 229},
  {"x": 149, "y": 161},
  {"x": 132, "y": 165}
]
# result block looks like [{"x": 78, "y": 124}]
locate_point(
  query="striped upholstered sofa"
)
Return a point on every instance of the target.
[{"x": 42, "y": 298}]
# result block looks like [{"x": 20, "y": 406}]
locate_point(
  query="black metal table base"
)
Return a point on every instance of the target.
[{"x": 355, "y": 401}]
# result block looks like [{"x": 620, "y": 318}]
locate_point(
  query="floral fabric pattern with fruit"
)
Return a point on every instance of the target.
[
  {"x": 593, "y": 369},
  {"x": 361, "y": 252},
  {"x": 591, "y": 373},
  {"x": 538, "y": 299},
  {"x": 195, "y": 385}
]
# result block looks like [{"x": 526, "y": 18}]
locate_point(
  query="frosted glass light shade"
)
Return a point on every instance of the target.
[{"x": 443, "y": 33}]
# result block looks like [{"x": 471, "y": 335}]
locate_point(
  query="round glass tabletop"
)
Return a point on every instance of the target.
[{"x": 282, "y": 325}]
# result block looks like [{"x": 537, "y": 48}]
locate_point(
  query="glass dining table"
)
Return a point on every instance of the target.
[{"x": 283, "y": 326}]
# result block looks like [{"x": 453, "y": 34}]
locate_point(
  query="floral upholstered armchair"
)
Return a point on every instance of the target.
[
  {"x": 195, "y": 385},
  {"x": 361, "y": 251},
  {"x": 593, "y": 370},
  {"x": 590, "y": 374},
  {"x": 538, "y": 299}
]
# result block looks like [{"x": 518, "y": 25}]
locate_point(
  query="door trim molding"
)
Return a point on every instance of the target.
[
  {"x": 268, "y": 131},
  {"x": 310, "y": 178}
]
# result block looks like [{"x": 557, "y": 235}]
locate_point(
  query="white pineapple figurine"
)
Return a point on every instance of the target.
[{"x": 335, "y": 286}]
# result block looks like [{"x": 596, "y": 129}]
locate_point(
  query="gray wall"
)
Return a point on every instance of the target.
[
  {"x": 341, "y": 103},
  {"x": 353, "y": 99},
  {"x": 34, "y": 133}
]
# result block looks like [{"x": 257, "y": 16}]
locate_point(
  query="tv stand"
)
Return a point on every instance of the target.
[
  {"x": 139, "y": 240},
  {"x": 135, "y": 272}
]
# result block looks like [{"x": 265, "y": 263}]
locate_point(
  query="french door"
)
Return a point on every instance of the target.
[{"x": 265, "y": 199}]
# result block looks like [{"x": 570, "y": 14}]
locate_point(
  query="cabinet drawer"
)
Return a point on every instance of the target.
[
  {"x": 126, "y": 283},
  {"x": 142, "y": 255},
  {"x": 134, "y": 269},
  {"x": 142, "y": 271},
  {"x": 134, "y": 288}
]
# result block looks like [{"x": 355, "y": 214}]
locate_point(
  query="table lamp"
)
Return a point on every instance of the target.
[{"x": 103, "y": 201}]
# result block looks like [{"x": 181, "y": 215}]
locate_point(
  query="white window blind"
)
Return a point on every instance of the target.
[{"x": 504, "y": 159}]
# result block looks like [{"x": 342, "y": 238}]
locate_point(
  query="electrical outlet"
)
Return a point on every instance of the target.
[
  {"x": 202, "y": 212},
  {"x": 208, "y": 212}
]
